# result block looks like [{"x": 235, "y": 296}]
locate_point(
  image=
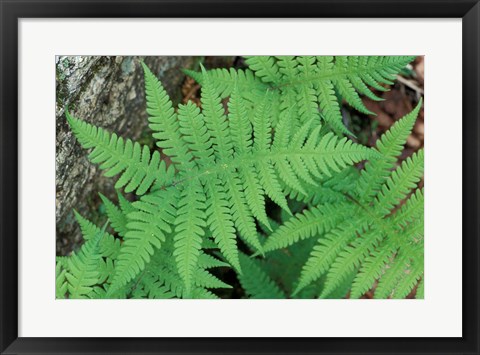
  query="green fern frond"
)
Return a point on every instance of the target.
[
  {"x": 343, "y": 288},
  {"x": 307, "y": 85},
  {"x": 206, "y": 261},
  {"x": 195, "y": 133},
  {"x": 265, "y": 68},
  {"x": 309, "y": 223},
  {"x": 402, "y": 180},
  {"x": 106, "y": 270},
  {"x": 306, "y": 94},
  {"x": 330, "y": 108},
  {"x": 412, "y": 276},
  {"x": 327, "y": 250},
  {"x": 82, "y": 272},
  {"x": 287, "y": 66},
  {"x": 190, "y": 223},
  {"x": 334, "y": 189},
  {"x": 206, "y": 280},
  {"x": 420, "y": 290},
  {"x": 412, "y": 209},
  {"x": 61, "y": 285},
  {"x": 240, "y": 127},
  {"x": 109, "y": 246},
  {"x": 163, "y": 120},
  {"x": 208, "y": 243},
  {"x": 153, "y": 288},
  {"x": 394, "y": 272},
  {"x": 256, "y": 282},
  {"x": 161, "y": 279},
  {"x": 220, "y": 221},
  {"x": 216, "y": 121},
  {"x": 118, "y": 219},
  {"x": 147, "y": 226},
  {"x": 255, "y": 139},
  {"x": 390, "y": 146},
  {"x": 371, "y": 236},
  {"x": 371, "y": 270},
  {"x": 125, "y": 205},
  {"x": 241, "y": 213},
  {"x": 213, "y": 160},
  {"x": 225, "y": 81},
  {"x": 138, "y": 169},
  {"x": 350, "y": 259},
  {"x": 201, "y": 293}
]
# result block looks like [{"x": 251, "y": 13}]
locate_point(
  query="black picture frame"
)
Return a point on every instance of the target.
[{"x": 12, "y": 11}]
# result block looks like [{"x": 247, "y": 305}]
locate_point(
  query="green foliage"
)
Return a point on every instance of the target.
[
  {"x": 138, "y": 169},
  {"x": 367, "y": 234},
  {"x": 256, "y": 282},
  {"x": 89, "y": 273},
  {"x": 306, "y": 88},
  {"x": 81, "y": 268},
  {"x": 264, "y": 185}
]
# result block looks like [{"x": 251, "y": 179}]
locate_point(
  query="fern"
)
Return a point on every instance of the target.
[
  {"x": 61, "y": 285},
  {"x": 208, "y": 169},
  {"x": 371, "y": 236},
  {"x": 263, "y": 183},
  {"x": 108, "y": 246},
  {"x": 307, "y": 87},
  {"x": 256, "y": 282},
  {"x": 138, "y": 169},
  {"x": 147, "y": 225},
  {"x": 82, "y": 273},
  {"x": 90, "y": 272},
  {"x": 161, "y": 278}
]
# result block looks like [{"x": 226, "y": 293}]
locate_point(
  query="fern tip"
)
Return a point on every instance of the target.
[
  {"x": 420, "y": 103},
  {"x": 146, "y": 69},
  {"x": 103, "y": 197},
  {"x": 70, "y": 118},
  {"x": 186, "y": 71},
  {"x": 257, "y": 253},
  {"x": 296, "y": 291},
  {"x": 78, "y": 215}
]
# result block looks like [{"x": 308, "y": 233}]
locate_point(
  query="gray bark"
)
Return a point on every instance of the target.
[{"x": 108, "y": 92}]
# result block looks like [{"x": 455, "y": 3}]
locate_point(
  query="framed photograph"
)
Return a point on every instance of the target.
[{"x": 231, "y": 177}]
